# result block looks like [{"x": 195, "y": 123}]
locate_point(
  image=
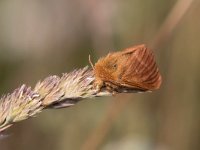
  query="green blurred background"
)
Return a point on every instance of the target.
[{"x": 41, "y": 38}]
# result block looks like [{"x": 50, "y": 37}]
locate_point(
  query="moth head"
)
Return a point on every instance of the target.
[{"x": 107, "y": 67}]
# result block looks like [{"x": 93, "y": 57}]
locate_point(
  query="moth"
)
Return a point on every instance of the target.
[{"x": 131, "y": 70}]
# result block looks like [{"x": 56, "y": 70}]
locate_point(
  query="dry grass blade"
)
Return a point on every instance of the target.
[{"x": 172, "y": 20}]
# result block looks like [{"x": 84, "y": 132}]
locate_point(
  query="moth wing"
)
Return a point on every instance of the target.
[{"x": 141, "y": 71}]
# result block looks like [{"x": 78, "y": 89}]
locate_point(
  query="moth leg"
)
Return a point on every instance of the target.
[
  {"x": 111, "y": 88},
  {"x": 98, "y": 85}
]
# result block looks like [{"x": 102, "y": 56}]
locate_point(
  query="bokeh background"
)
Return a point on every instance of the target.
[{"x": 41, "y": 38}]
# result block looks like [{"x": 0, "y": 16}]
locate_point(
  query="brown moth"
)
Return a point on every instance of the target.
[{"x": 131, "y": 70}]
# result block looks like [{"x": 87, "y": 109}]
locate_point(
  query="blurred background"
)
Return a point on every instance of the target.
[{"x": 41, "y": 38}]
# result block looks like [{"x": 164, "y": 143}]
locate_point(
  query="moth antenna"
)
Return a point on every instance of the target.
[{"x": 91, "y": 62}]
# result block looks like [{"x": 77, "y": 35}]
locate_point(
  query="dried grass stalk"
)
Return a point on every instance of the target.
[{"x": 52, "y": 92}]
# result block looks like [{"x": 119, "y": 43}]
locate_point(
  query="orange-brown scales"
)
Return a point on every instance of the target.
[{"x": 131, "y": 70}]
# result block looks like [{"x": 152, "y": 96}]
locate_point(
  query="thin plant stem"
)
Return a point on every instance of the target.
[{"x": 177, "y": 13}]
